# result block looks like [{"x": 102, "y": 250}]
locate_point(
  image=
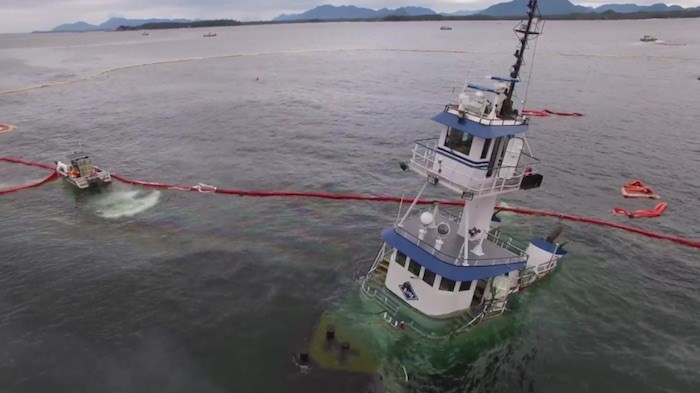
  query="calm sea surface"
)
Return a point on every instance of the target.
[{"x": 136, "y": 290}]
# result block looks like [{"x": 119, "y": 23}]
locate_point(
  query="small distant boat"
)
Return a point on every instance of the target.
[
  {"x": 648, "y": 38},
  {"x": 144, "y": 33},
  {"x": 637, "y": 189},
  {"x": 445, "y": 28},
  {"x": 210, "y": 35},
  {"x": 80, "y": 172}
]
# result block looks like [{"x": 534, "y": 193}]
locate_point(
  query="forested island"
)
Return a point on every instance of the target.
[
  {"x": 608, "y": 15},
  {"x": 180, "y": 25}
]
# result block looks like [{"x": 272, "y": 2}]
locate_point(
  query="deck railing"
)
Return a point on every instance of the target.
[
  {"x": 472, "y": 181},
  {"x": 518, "y": 120},
  {"x": 460, "y": 260}
]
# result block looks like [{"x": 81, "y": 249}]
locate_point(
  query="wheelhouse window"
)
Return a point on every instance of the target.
[
  {"x": 400, "y": 258},
  {"x": 447, "y": 285},
  {"x": 414, "y": 267},
  {"x": 465, "y": 285},
  {"x": 429, "y": 277},
  {"x": 458, "y": 140},
  {"x": 485, "y": 150}
]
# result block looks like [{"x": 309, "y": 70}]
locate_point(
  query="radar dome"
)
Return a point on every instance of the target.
[{"x": 426, "y": 218}]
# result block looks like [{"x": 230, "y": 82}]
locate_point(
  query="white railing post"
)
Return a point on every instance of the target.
[{"x": 413, "y": 204}]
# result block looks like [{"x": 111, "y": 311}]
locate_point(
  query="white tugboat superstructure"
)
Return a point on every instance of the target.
[{"x": 446, "y": 267}]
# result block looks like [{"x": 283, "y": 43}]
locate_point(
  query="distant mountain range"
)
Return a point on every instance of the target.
[
  {"x": 349, "y": 12},
  {"x": 563, "y": 7},
  {"x": 547, "y": 7},
  {"x": 113, "y": 24},
  {"x": 512, "y": 8},
  {"x": 327, "y": 11},
  {"x": 629, "y": 8}
]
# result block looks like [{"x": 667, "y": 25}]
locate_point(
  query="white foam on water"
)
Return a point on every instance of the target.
[{"x": 119, "y": 204}]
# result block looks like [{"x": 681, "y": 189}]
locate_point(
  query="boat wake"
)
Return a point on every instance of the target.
[{"x": 120, "y": 204}]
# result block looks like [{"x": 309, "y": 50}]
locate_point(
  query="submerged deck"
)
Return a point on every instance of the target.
[{"x": 496, "y": 251}]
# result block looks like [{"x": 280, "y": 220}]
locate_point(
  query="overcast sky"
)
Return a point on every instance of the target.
[{"x": 29, "y": 15}]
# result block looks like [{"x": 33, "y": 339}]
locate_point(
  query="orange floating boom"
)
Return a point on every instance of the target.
[{"x": 359, "y": 197}]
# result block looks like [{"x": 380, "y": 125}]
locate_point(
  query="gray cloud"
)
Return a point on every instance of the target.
[{"x": 28, "y": 15}]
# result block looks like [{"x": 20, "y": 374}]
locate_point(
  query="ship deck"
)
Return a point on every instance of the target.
[{"x": 496, "y": 251}]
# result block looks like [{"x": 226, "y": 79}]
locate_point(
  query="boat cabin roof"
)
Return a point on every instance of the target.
[{"x": 478, "y": 129}]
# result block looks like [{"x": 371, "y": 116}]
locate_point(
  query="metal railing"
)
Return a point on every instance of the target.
[
  {"x": 459, "y": 260},
  {"x": 475, "y": 181},
  {"x": 515, "y": 246},
  {"x": 380, "y": 255},
  {"x": 516, "y": 121},
  {"x": 509, "y": 245},
  {"x": 391, "y": 309}
]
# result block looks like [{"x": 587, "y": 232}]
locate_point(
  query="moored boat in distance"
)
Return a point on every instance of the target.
[
  {"x": 648, "y": 38},
  {"x": 210, "y": 35},
  {"x": 81, "y": 173},
  {"x": 445, "y": 28}
]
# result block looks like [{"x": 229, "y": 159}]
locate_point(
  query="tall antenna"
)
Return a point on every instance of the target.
[{"x": 524, "y": 30}]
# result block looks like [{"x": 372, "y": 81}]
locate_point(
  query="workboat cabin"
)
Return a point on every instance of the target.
[
  {"x": 435, "y": 265},
  {"x": 79, "y": 171}
]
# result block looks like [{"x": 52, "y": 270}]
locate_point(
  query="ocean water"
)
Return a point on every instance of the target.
[{"x": 140, "y": 290}]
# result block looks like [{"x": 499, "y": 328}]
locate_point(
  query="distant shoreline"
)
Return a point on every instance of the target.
[{"x": 608, "y": 15}]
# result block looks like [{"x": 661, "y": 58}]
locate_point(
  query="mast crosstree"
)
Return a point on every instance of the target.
[{"x": 526, "y": 30}]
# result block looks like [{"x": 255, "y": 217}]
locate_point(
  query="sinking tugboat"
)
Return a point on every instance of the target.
[
  {"x": 81, "y": 173},
  {"x": 448, "y": 267},
  {"x": 438, "y": 274}
]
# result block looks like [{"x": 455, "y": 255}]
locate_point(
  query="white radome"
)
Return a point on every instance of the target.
[{"x": 426, "y": 218}]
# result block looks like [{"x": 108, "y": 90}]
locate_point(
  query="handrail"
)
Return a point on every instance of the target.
[
  {"x": 460, "y": 260},
  {"x": 508, "y": 245},
  {"x": 391, "y": 309},
  {"x": 524, "y": 120},
  {"x": 432, "y": 146},
  {"x": 515, "y": 246},
  {"x": 380, "y": 255},
  {"x": 424, "y": 157}
]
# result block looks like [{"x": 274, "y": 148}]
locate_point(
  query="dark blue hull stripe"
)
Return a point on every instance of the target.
[{"x": 445, "y": 269}]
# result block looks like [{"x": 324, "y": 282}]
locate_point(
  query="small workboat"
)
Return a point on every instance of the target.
[
  {"x": 144, "y": 33},
  {"x": 637, "y": 189},
  {"x": 81, "y": 173},
  {"x": 655, "y": 212},
  {"x": 445, "y": 28},
  {"x": 648, "y": 38},
  {"x": 210, "y": 35}
]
